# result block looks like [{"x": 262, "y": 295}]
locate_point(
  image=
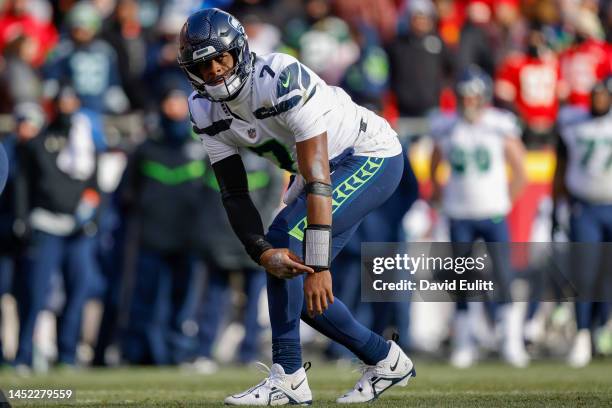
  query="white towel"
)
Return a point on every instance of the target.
[{"x": 78, "y": 157}]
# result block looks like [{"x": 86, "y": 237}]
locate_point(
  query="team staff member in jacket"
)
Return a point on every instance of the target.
[
  {"x": 223, "y": 254},
  {"x": 162, "y": 188},
  {"x": 57, "y": 197}
]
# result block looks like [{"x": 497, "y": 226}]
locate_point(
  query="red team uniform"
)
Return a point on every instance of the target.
[
  {"x": 533, "y": 82},
  {"x": 581, "y": 67}
]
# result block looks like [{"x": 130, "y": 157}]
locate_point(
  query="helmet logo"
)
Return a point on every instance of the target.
[
  {"x": 235, "y": 23},
  {"x": 204, "y": 52}
]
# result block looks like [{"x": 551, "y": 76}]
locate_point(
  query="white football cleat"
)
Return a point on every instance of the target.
[
  {"x": 514, "y": 353},
  {"x": 581, "y": 353},
  {"x": 463, "y": 357},
  {"x": 395, "y": 369},
  {"x": 511, "y": 326},
  {"x": 464, "y": 354},
  {"x": 202, "y": 365},
  {"x": 277, "y": 389}
]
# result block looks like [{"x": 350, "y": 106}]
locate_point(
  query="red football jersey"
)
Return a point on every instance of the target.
[
  {"x": 531, "y": 83},
  {"x": 45, "y": 35},
  {"x": 581, "y": 67}
]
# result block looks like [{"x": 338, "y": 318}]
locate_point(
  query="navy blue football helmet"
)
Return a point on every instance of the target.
[
  {"x": 207, "y": 34},
  {"x": 472, "y": 83}
]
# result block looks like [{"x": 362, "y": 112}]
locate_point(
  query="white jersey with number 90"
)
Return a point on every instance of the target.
[{"x": 478, "y": 184}]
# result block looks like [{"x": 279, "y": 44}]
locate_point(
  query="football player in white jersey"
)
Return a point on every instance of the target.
[
  {"x": 583, "y": 177},
  {"x": 346, "y": 160},
  {"x": 479, "y": 143}
]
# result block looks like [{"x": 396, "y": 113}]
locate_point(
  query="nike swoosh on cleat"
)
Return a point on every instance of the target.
[
  {"x": 286, "y": 83},
  {"x": 298, "y": 386},
  {"x": 394, "y": 366}
]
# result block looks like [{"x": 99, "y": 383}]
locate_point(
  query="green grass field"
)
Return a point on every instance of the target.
[{"x": 488, "y": 385}]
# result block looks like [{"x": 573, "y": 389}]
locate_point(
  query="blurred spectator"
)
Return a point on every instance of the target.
[
  {"x": 263, "y": 38},
  {"x": 57, "y": 197},
  {"x": 6, "y": 101},
  {"x": 86, "y": 63},
  {"x": 476, "y": 43},
  {"x": 30, "y": 119},
  {"x": 223, "y": 254},
  {"x": 163, "y": 191},
  {"x": 586, "y": 61},
  {"x": 382, "y": 15},
  {"x": 127, "y": 37},
  {"x": 23, "y": 80},
  {"x": 451, "y": 17},
  {"x": 18, "y": 20},
  {"x": 327, "y": 49},
  {"x": 314, "y": 10},
  {"x": 161, "y": 55},
  {"x": 510, "y": 26},
  {"x": 527, "y": 83},
  {"x": 606, "y": 19},
  {"x": 419, "y": 62},
  {"x": 321, "y": 40},
  {"x": 548, "y": 12},
  {"x": 273, "y": 12},
  {"x": 367, "y": 78}
]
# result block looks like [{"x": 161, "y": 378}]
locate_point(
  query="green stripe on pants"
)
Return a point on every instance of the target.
[{"x": 344, "y": 190}]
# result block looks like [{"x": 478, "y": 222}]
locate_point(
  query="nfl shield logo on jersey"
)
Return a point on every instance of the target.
[{"x": 252, "y": 134}]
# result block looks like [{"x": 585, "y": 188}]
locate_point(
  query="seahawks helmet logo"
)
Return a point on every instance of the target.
[{"x": 236, "y": 24}]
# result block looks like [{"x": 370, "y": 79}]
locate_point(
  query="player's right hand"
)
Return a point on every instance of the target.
[{"x": 283, "y": 263}]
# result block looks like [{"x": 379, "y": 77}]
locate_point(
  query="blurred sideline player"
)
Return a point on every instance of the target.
[
  {"x": 479, "y": 143},
  {"x": 583, "y": 64},
  {"x": 347, "y": 162},
  {"x": 527, "y": 83},
  {"x": 584, "y": 177}
]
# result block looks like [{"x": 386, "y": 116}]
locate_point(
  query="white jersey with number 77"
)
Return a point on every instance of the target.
[{"x": 589, "y": 154}]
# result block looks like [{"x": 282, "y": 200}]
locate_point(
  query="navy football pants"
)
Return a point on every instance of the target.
[
  {"x": 589, "y": 223},
  {"x": 360, "y": 184}
]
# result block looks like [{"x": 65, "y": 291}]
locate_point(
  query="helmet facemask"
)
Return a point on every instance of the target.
[{"x": 226, "y": 86}]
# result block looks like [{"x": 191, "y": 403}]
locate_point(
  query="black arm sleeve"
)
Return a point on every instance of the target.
[{"x": 242, "y": 213}]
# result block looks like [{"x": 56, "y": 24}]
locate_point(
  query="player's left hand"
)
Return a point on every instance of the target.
[{"x": 318, "y": 292}]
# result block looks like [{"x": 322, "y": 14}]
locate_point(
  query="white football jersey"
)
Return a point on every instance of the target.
[
  {"x": 478, "y": 184},
  {"x": 588, "y": 140},
  {"x": 284, "y": 103}
]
